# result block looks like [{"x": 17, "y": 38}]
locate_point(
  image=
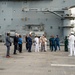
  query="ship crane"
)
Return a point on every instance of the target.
[{"x": 48, "y": 11}]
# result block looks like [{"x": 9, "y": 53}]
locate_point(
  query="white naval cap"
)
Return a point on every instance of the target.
[
  {"x": 16, "y": 33},
  {"x": 72, "y": 32}
]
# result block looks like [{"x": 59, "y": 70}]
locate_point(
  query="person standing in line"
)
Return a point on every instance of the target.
[
  {"x": 8, "y": 44},
  {"x": 37, "y": 43},
  {"x": 26, "y": 38},
  {"x": 50, "y": 42},
  {"x": 66, "y": 44},
  {"x": 29, "y": 43},
  {"x": 45, "y": 43},
  {"x": 71, "y": 43},
  {"x": 53, "y": 43},
  {"x": 20, "y": 41},
  {"x": 57, "y": 42},
  {"x": 15, "y": 43},
  {"x": 42, "y": 40}
]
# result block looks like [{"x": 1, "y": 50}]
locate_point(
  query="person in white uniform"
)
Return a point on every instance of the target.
[
  {"x": 45, "y": 43},
  {"x": 71, "y": 44},
  {"x": 37, "y": 43}
]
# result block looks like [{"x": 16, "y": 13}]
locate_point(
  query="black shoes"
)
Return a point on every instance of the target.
[{"x": 14, "y": 53}]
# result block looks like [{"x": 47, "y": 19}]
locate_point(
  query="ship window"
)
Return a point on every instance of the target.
[
  {"x": 4, "y": 19},
  {"x": 63, "y": 1},
  {"x": 29, "y": 27},
  {"x": 2, "y": 10},
  {"x": 51, "y": 27},
  {"x": 0, "y": 27},
  {"x": 14, "y": 10},
  {"x": 58, "y": 27},
  {"x": 11, "y": 18},
  {"x": 46, "y": 19}
]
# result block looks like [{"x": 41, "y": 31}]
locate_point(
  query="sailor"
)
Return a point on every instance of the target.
[
  {"x": 15, "y": 42},
  {"x": 29, "y": 43},
  {"x": 53, "y": 43},
  {"x": 57, "y": 42},
  {"x": 37, "y": 43},
  {"x": 26, "y": 37},
  {"x": 66, "y": 44},
  {"x": 71, "y": 43},
  {"x": 8, "y": 44},
  {"x": 20, "y": 41},
  {"x": 50, "y": 42},
  {"x": 46, "y": 43},
  {"x": 43, "y": 43}
]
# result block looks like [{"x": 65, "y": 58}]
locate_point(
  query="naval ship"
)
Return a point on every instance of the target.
[{"x": 49, "y": 17}]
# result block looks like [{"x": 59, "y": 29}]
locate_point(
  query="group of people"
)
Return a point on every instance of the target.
[
  {"x": 17, "y": 42},
  {"x": 54, "y": 43},
  {"x": 39, "y": 42}
]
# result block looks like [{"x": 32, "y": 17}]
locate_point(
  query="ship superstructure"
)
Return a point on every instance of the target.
[{"x": 52, "y": 17}]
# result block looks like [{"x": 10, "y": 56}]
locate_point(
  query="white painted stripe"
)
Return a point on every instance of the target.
[{"x": 64, "y": 65}]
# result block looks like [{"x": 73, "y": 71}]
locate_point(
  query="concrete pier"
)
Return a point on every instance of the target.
[{"x": 36, "y": 63}]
